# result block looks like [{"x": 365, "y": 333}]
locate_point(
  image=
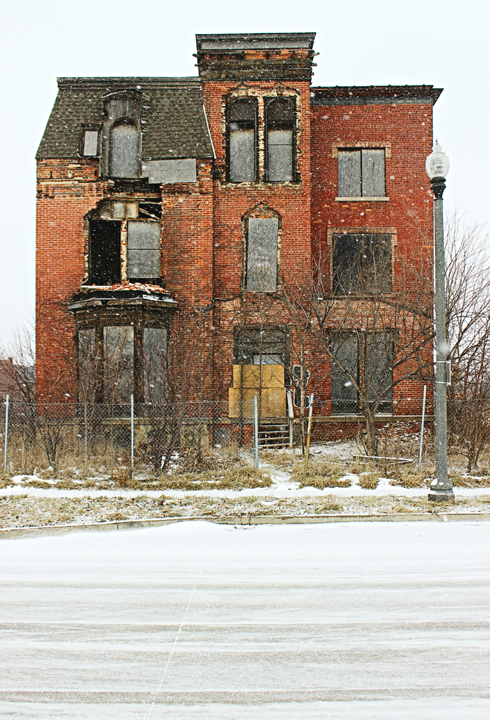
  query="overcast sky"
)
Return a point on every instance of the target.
[{"x": 361, "y": 42}]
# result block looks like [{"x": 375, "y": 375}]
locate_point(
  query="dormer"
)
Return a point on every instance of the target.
[{"x": 121, "y": 135}]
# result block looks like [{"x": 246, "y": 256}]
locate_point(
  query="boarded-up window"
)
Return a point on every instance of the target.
[
  {"x": 345, "y": 368},
  {"x": 118, "y": 363},
  {"x": 143, "y": 250},
  {"x": 124, "y": 161},
  {"x": 362, "y": 264},
  {"x": 105, "y": 252},
  {"x": 378, "y": 370},
  {"x": 90, "y": 142},
  {"x": 242, "y": 131},
  {"x": 361, "y": 173},
  {"x": 262, "y": 254},
  {"x": 364, "y": 361},
  {"x": 280, "y": 123},
  {"x": 87, "y": 381},
  {"x": 155, "y": 365}
]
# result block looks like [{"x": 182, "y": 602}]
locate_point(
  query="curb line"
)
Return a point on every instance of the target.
[{"x": 241, "y": 520}]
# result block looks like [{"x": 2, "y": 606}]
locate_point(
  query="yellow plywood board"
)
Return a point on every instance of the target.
[
  {"x": 272, "y": 376},
  {"x": 273, "y": 402}
]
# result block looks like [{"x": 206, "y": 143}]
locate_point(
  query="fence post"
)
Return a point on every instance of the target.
[
  {"x": 132, "y": 436},
  {"x": 422, "y": 428},
  {"x": 290, "y": 416},
  {"x": 309, "y": 434},
  {"x": 256, "y": 434},
  {"x": 7, "y": 401}
]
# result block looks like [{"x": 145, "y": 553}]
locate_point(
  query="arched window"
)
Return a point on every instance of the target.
[
  {"x": 242, "y": 132},
  {"x": 124, "y": 147},
  {"x": 261, "y": 250},
  {"x": 280, "y": 123}
]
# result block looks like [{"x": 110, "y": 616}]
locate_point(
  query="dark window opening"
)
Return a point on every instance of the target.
[
  {"x": 105, "y": 252},
  {"x": 362, "y": 264},
  {"x": 143, "y": 250},
  {"x": 361, "y": 173},
  {"x": 150, "y": 210},
  {"x": 362, "y": 361},
  {"x": 265, "y": 345},
  {"x": 280, "y": 123},
  {"x": 262, "y": 247},
  {"x": 242, "y": 140},
  {"x": 124, "y": 145}
]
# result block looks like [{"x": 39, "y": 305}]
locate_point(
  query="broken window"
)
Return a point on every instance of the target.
[
  {"x": 124, "y": 145},
  {"x": 262, "y": 247},
  {"x": 262, "y": 345},
  {"x": 280, "y": 124},
  {"x": 154, "y": 365},
  {"x": 361, "y": 173},
  {"x": 362, "y": 361},
  {"x": 143, "y": 250},
  {"x": 105, "y": 252},
  {"x": 118, "y": 363},
  {"x": 90, "y": 143},
  {"x": 242, "y": 131},
  {"x": 362, "y": 264}
]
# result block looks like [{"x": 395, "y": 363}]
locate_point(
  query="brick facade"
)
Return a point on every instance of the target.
[{"x": 204, "y": 223}]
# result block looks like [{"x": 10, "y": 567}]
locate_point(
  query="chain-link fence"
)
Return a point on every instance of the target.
[{"x": 77, "y": 434}]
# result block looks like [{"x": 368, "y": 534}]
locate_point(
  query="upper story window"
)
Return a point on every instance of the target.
[
  {"x": 143, "y": 250},
  {"x": 242, "y": 140},
  {"x": 90, "y": 143},
  {"x": 280, "y": 117},
  {"x": 262, "y": 251},
  {"x": 124, "y": 243},
  {"x": 261, "y": 139},
  {"x": 361, "y": 173},
  {"x": 124, "y": 149},
  {"x": 362, "y": 263}
]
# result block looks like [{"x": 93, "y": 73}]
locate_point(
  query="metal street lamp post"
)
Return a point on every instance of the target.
[{"x": 437, "y": 166}]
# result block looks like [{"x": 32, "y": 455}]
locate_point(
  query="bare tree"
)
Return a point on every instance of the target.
[
  {"x": 375, "y": 330},
  {"x": 468, "y": 332}
]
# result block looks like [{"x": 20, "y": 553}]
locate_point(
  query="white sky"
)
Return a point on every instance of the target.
[{"x": 434, "y": 42}]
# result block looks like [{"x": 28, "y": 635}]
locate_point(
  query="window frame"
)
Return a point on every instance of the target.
[
  {"x": 93, "y": 129},
  {"x": 268, "y": 101},
  {"x": 360, "y": 146},
  {"x": 332, "y": 232},
  {"x": 253, "y": 101},
  {"x": 261, "y": 212},
  {"x": 362, "y": 339},
  {"x": 261, "y": 98}
]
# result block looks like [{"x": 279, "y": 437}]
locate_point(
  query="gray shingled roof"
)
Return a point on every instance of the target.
[{"x": 173, "y": 121}]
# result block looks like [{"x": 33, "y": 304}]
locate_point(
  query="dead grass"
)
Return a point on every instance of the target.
[
  {"x": 368, "y": 480},
  {"x": 321, "y": 482},
  {"x": 24, "y": 511},
  {"x": 409, "y": 480},
  {"x": 469, "y": 481}
]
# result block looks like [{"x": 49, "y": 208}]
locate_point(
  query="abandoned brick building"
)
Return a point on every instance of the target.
[{"x": 214, "y": 195}]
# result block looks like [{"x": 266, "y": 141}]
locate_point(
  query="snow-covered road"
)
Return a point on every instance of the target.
[{"x": 196, "y": 620}]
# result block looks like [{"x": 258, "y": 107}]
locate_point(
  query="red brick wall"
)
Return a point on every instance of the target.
[
  {"x": 66, "y": 192},
  {"x": 407, "y": 128}
]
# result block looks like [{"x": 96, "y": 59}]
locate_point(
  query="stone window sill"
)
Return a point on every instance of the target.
[{"x": 362, "y": 199}]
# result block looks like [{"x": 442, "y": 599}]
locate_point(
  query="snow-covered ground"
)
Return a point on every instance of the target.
[{"x": 203, "y": 621}]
